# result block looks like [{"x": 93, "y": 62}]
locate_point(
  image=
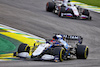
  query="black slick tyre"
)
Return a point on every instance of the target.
[
  {"x": 23, "y": 48},
  {"x": 82, "y": 52},
  {"x": 60, "y": 52},
  {"x": 62, "y": 10},
  {"x": 50, "y": 6}
]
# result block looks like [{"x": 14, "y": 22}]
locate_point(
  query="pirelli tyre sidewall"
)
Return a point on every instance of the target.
[
  {"x": 60, "y": 51},
  {"x": 82, "y": 52},
  {"x": 50, "y": 6},
  {"x": 23, "y": 48},
  {"x": 62, "y": 54}
]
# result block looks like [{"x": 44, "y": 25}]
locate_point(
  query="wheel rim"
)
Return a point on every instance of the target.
[
  {"x": 62, "y": 52},
  {"x": 86, "y": 52}
]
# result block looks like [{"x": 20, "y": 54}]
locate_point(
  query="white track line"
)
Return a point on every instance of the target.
[{"x": 8, "y": 27}]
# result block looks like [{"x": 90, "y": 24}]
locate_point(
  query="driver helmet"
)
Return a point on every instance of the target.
[
  {"x": 56, "y": 37},
  {"x": 68, "y": 0}
]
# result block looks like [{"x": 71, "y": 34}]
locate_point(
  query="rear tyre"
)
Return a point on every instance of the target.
[
  {"x": 23, "y": 48},
  {"x": 82, "y": 52},
  {"x": 85, "y": 12},
  {"x": 50, "y": 6},
  {"x": 60, "y": 52}
]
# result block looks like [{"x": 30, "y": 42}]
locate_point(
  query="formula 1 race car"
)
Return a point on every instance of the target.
[
  {"x": 65, "y": 8},
  {"x": 61, "y": 47}
]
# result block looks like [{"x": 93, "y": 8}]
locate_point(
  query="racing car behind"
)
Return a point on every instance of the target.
[{"x": 65, "y": 8}]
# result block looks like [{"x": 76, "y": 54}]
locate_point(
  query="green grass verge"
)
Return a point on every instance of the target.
[
  {"x": 90, "y": 2},
  {"x": 8, "y": 45}
]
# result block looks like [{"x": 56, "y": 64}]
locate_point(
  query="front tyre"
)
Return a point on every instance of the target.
[
  {"x": 62, "y": 10},
  {"x": 60, "y": 52},
  {"x": 23, "y": 48},
  {"x": 82, "y": 52}
]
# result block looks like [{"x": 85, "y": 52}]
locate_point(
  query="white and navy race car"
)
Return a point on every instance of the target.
[
  {"x": 61, "y": 47},
  {"x": 65, "y": 8}
]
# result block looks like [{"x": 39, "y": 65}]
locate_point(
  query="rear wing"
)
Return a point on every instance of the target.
[{"x": 73, "y": 37}]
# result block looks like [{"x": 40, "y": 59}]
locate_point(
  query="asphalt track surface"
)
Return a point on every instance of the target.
[{"x": 30, "y": 16}]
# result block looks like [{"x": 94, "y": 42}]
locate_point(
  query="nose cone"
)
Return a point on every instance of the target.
[{"x": 75, "y": 11}]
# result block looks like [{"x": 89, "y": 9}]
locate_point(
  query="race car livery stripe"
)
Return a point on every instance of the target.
[{"x": 89, "y": 7}]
